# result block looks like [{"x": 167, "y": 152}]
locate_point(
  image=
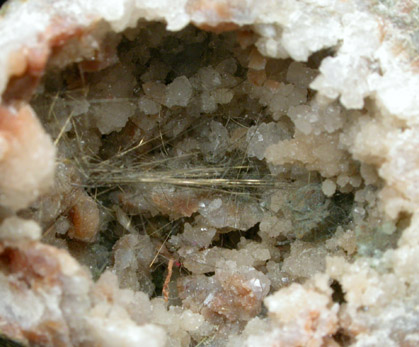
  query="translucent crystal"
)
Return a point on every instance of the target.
[{"x": 179, "y": 92}]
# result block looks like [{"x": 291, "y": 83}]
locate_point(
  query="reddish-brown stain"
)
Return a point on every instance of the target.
[
  {"x": 31, "y": 263},
  {"x": 21, "y": 86},
  {"x": 219, "y": 28},
  {"x": 236, "y": 301},
  {"x": 246, "y": 38},
  {"x": 12, "y": 331},
  {"x": 311, "y": 322},
  {"x": 256, "y": 77},
  {"x": 84, "y": 216},
  {"x": 177, "y": 205},
  {"x": 218, "y": 14}
]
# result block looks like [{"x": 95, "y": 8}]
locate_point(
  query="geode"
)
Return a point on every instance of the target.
[{"x": 212, "y": 173}]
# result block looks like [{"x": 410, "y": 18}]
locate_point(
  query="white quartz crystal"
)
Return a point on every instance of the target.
[
  {"x": 15, "y": 228},
  {"x": 178, "y": 92},
  {"x": 299, "y": 123}
]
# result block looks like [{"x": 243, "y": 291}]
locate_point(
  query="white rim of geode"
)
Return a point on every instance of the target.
[{"x": 365, "y": 41}]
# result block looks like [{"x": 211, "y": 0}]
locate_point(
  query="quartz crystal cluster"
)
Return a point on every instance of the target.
[{"x": 209, "y": 173}]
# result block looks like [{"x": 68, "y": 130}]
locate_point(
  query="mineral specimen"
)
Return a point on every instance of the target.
[{"x": 212, "y": 173}]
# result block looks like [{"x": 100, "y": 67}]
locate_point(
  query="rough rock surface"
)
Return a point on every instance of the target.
[{"x": 318, "y": 98}]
